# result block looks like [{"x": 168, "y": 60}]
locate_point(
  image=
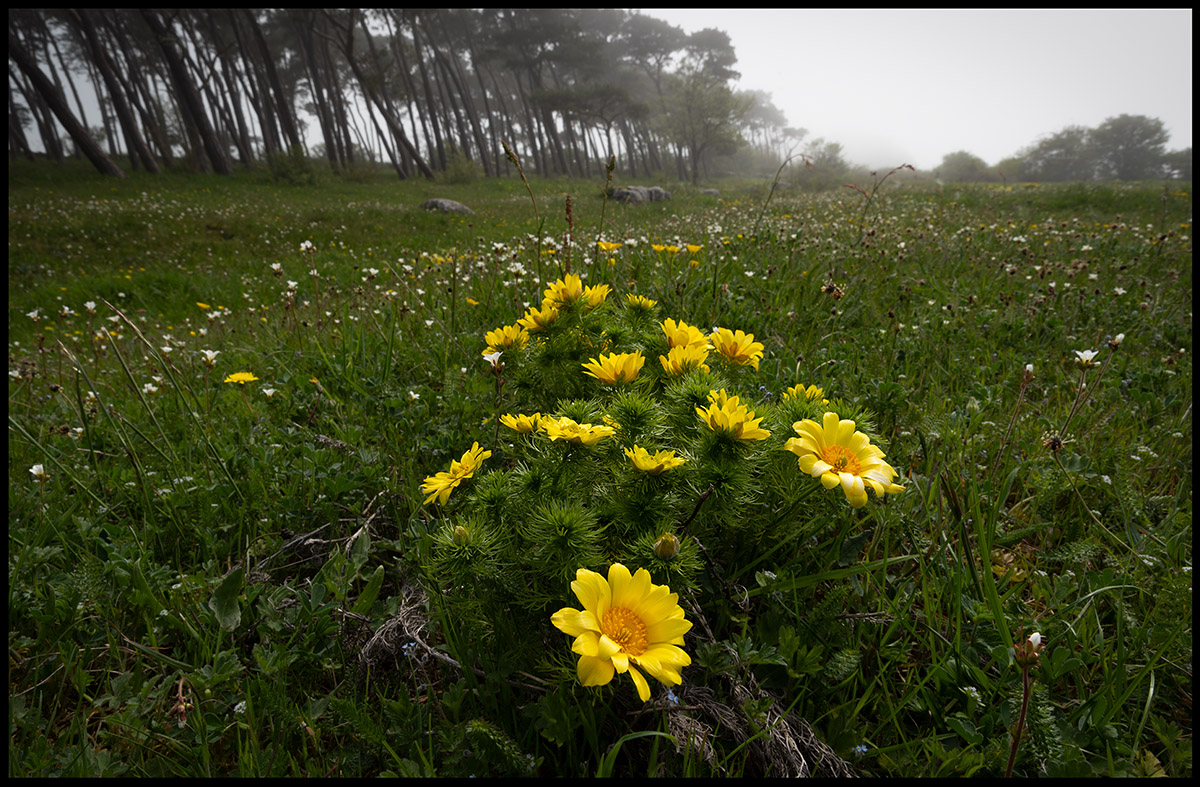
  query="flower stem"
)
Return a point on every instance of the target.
[{"x": 1016, "y": 742}]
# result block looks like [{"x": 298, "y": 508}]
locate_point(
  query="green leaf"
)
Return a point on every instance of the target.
[
  {"x": 363, "y": 604},
  {"x": 360, "y": 551},
  {"x": 224, "y": 602}
]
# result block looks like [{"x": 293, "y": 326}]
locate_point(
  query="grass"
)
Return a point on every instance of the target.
[{"x": 210, "y": 580}]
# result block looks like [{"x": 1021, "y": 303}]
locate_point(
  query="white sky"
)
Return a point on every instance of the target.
[{"x": 907, "y": 87}]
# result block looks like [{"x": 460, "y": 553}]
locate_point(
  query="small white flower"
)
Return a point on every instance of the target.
[
  {"x": 34, "y": 315},
  {"x": 39, "y": 472},
  {"x": 1035, "y": 639},
  {"x": 1029, "y": 368},
  {"x": 1118, "y": 290},
  {"x": 149, "y": 388},
  {"x": 1086, "y": 356},
  {"x": 90, "y": 306},
  {"x": 413, "y": 395},
  {"x": 269, "y": 392},
  {"x": 429, "y": 323},
  {"x": 210, "y": 357},
  {"x": 493, "y": 358}
]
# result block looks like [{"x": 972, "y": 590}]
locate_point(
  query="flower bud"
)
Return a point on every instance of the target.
[
  {"x": 666, "y": 547},
  {"x": 461, "y": 537},
  {"x": 1028, "y": 652}
]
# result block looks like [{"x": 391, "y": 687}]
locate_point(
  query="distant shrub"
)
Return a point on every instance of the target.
[
  {"x": 291, "y": 167},
  {"x": 460, "y": 169}
]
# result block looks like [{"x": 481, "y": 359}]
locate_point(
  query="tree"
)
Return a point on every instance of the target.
[
  {"x": 1067, "y": 155},
  {"x": 703, "y": 114},
  {"x": 1178, "y": 164},
  {"x": 963, "y": 167},
  {"x": 58, "y": 105},
  {"x": 1130, "y": 147}
]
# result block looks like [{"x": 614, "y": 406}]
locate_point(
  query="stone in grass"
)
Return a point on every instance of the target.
[
  {"x": 710, "y": 192},
  {"x": 446, "y": 206}
]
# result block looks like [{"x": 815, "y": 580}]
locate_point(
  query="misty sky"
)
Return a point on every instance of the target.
[{"x": 898, "y": 87}]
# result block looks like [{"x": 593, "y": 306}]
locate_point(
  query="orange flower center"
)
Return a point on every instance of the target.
[
  {"x": 626, "y": 629},
  {"x": 842, "y": 459}
]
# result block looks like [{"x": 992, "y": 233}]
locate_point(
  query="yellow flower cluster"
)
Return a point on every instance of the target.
[
  {"x": 726, "y": 414},
  {"x": 739, "y": 347},
  {"x": 569, "y": 431},
  {"x": 506, "y": 338}
]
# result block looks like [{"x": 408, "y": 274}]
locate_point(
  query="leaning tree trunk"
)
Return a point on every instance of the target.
[
  {"x": 188, "y": 95},
  {"x": 58, "y": 105}
]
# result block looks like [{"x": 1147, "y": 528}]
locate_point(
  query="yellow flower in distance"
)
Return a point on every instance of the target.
[
  {"x": 569, "y": 431},
  {"x": 608, "y": 246},
  {"x": 508, "y": 337},
  {"x": 738, "y": 347},
  {"x": 693, "y": 248},
  {"x": 811, "y": 394},
  {"x": 442, "y": 484},
  {"x": 241, "y": 378},
  {"x": 835, "y": 453},
  {"x": 567, "y": 289},
  {"x": 640, "y": 301},
  {"x": 654, "y": 464},
  {"x": 681, "y": 334},
  {"x": 525, "y": 424},
  {"x": 596, "y": 294},
  {"x": 538, "y": 319},
  {"x": 727, "y": 414},
  {"x": 626, "y": 622},
  {"x": 684, "y": 357},
  {"x": 615, "y": 368}
]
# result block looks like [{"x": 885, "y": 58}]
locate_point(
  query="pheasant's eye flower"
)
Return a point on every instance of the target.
[
  {"x": 595, "y": 295},
  {"x": 684, "y": 358},
  {"x": 615, "y": 368},
  {"x": 539, "y": 319},
  {"x": 626, "y": 622},
  {"x": 811, "y": 394},
  {"x": 738, "y": 347},
  {"x": 569, "y": 431},
  {"x": 241, "y": 378},
  {"x": 566, "y": 290},
  {"x": 680, "y": 334},
  {"x": 442, "y": 484},
  {"x": 837, "y": 454},
  {"x": 640, "y": 301},
  {"x": 1086, "y": 357},
  {"x": 654, "y": 464},
  {"x": 508, "y": 337},
  {"x": 525, "y": 424},
  {"x": 727, "y": 414}
]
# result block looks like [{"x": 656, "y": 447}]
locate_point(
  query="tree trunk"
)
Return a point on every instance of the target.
[{"x": 58, "y": 105}]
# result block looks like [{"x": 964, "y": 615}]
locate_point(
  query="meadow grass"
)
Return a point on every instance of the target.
[{"x": 210, "y": 578}]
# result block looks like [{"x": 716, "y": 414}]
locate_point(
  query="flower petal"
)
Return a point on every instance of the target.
[{"x": 594, "y": 671}]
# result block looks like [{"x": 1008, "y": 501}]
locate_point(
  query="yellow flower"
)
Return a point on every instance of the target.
[
  {"x": 654, "y": 464},
  {"x": 241, "y": 378},
  {"x": 657, "y": 247},
  {"x": 567, "y": 289},
  {"x": 640, "y": 301},
  {"x": 525, "y": 424},
  {"x": 203, "y": 305},
  {"x": 442, "y": 484},
  {"x": 508, "y": 337},
  {"x": 684, "y": 357},
  {"x": 538, "y": 319},
  {"x": 681, "y": 334},
  {"x": 626, "y": 622},
  {"x": 726, "y": 414},
  {"x": 569, "y": 431},
  {"x": 692, "y": 248},
  {"x": 608, "y": 246},
  {"x": 812, "y": 393},
  {"x": 835, "y": 453},
  {"x": 615, "y": 368},
  {"x": 738, "y": 347},
  {"x": 596, "y": 294}
]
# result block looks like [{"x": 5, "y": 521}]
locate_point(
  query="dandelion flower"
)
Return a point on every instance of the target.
[
  {"x": 738, "y": 347},
  {"x": 626, "y": 622},
  {"x": 615, "y": 368},
  {"x": 835, "y": 453},
  {"x": 726, "y": 414},
  {"x": 241, "y": 378},
  {"x": 440, "y": 485},
  {"x": 654, "y": 464}
]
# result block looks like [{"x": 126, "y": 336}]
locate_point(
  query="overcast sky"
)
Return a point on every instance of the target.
[{"x": 907, "y": 87}]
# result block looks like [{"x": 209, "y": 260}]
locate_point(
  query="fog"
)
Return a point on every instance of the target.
[{"x": 899, "y": 87}]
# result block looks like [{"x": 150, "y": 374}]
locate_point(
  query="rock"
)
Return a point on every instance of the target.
[
  {"x": 658, "y": 194},
  {"x": 710, "y": 192},
  {"x": 636, "y": 194},
  {"x": 627, "y": 195},
  {"x": 446, "y": 206}
]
